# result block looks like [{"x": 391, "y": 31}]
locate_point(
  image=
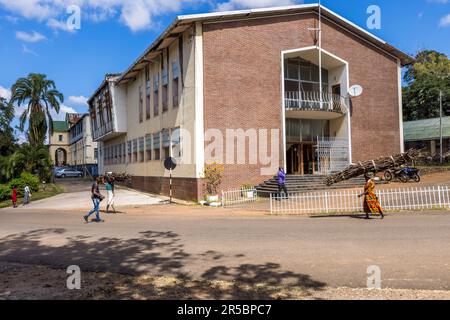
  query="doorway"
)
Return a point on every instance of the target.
[{"x": 301, "y": 159}]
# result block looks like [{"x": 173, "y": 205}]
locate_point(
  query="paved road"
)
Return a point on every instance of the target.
[
  {"x": 78, "y": 193},
  {"x": 411, "y": 249}
]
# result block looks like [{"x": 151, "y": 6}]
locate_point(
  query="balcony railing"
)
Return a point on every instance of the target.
[
  {"x": 103, "y": 130},
  {"x": 310, "y": 101}
]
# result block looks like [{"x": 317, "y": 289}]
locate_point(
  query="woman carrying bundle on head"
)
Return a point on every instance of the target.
[{"x": 371, "y": 204}]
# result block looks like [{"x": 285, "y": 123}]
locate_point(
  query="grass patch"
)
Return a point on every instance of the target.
[{"x": 51, "y": 190}]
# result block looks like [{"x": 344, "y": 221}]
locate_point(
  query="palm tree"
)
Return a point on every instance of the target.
[
  {"x": 7, "y": 141},
  {"x": 39, "y": 96},
  {"x": 26, "y": 159}
]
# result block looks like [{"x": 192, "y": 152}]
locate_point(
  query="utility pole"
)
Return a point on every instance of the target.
[
  {"x": 320, "y": 55},
  {"x": 441, "y": 138}
]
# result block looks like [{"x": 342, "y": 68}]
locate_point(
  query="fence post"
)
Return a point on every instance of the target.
[
  {"x": 439, "y": 193},
  {"x": 223, "y": 199},
  {"x": 271, "y": 208},
  {"x": 326, "y": 202}
]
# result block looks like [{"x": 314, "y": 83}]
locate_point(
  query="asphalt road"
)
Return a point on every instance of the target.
[{"x": 412, "y": 250}]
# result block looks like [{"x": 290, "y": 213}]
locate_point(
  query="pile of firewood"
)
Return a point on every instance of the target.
[
  {"x": 118, "y": 177},
  {"x": 380, "y": 164}
]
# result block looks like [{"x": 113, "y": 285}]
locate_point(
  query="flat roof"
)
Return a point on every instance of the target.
[
  {"x": 428, "y": 129},
  {"x": 182, "y": 23}
]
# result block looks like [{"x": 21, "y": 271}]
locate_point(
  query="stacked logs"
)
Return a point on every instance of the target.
[
  {"x": 118, "y": 177},
  {"x": 380, "y": 164}
]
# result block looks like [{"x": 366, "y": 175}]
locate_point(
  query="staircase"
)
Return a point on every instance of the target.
[{"x": 308, "y": 183}]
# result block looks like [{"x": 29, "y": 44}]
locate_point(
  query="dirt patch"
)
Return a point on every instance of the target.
[{"x": 27, "y": 282}]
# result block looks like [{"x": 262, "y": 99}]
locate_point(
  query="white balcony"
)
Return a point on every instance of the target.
[{"x": 314, "y": 105}]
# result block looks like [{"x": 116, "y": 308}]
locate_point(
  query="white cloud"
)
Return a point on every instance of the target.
[
  {"x": 5, "y": 93},
  {"x": 18, "y": 111},
  {"x": 62, "y": 112},
  {"x": 445, "y": 21},
  {"x": 30, "y": 37},
  {"x": 26, "y": 50},
  {"x": 78, "y": 100},
  {"x": 56, "y": 25},
  {"x": 244, "y": 4},
  {"x": 135, "y": 14}
]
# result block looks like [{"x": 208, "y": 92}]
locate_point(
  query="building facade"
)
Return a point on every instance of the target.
[
  {"x": 77, "y": 146},
  {"x": 59, "y": 147},
  {"x": 426, "y": 135},
  {"x": 244, "y": 88}
]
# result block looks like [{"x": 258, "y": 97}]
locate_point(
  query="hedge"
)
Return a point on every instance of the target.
[{"x": 25, "y": 179}]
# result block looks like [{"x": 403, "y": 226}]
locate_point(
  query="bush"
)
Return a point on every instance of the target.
[
  {"x": 25, "y": 179},
  {"x": 5, "y": 193},
  {"x": 212, "y": 177}
]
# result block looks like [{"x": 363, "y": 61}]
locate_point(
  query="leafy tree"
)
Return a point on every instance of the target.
[
  {"x": 26, "y": 159},
  {"x": 39, "y": 96},
  {"x": 425, "y": 79},
  {"x": 7, "y": 140}
]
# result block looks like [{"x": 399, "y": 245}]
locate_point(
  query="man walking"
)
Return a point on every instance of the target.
[
  {"x": 96, "y": 197},
  {"x": 282, "y": 183}
]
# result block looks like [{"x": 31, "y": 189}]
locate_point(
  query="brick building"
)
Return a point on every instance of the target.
[{"x": 244, "y": 88}]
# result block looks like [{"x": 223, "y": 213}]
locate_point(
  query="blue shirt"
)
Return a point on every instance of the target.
[{"x": 281, "y": 177}]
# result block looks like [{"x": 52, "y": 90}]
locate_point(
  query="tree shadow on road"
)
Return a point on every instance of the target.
[{"x": 154, "y": 265}]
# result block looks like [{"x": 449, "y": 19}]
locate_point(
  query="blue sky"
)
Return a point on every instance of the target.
[{"x": 113, "y": 33}]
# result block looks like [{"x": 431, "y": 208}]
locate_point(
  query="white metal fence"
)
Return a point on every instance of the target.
[
  {"x": 347, "y": 201},
  {"x": 237, "y": 196}
]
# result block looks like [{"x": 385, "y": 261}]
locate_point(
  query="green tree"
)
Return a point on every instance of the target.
[
  {"x": 7, "y": 140},
  {"x": 424, "y": 79},
  {"x": 26, "y": 158},
  {"x": 39, "y": 97}
]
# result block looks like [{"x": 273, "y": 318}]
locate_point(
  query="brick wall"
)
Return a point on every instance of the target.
[
  {"x": 189, "y": 189},
  {"x": 242, "y": 83}
]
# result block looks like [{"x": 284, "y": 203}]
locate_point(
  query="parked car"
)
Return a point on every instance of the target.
[{"x": 68, "y": 173}]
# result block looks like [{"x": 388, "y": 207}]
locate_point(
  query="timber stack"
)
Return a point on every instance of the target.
[{"x": 380, "y": 164}]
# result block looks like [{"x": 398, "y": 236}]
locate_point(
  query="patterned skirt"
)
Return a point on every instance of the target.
[{"x": 371, "y": 203}]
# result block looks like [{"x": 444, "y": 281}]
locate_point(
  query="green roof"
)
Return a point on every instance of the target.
[
  {"x": 428, "y": 129},
  {"x": 60, "y": 126}
]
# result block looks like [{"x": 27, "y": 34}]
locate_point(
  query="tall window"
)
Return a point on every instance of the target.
[
  {"x": 156, "y": 95},
  {"x": 165, "y": 89},
  {"x": 124, "y": 153},
  {"x": 175, "y": 76},
  {"x": 129, "y": 151},
  {"x": 135, "y": 150},
  {"x": 148, "y": 146},
  {"x": 141, "y": 105},
  {"x": 156, "y": 146},
  {"x": 147, "y": 92},
  {"x": 303, "y": 76},
  {"x": 166, "y": 144},
  {"x": 176, "y": 143},
  {"x": 141, "y": 149}
]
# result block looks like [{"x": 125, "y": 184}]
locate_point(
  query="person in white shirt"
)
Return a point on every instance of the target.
[{"x": 26, "y": 195}]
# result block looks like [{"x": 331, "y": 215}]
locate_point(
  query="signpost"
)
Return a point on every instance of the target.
[{"x": 170, "y": 164}]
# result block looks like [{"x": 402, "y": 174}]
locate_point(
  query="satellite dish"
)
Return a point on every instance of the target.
[{"x": 355, "y": 91}]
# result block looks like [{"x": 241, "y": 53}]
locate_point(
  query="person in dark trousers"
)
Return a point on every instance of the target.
[
  {"x": 96, "y": 197},
  {"x": 282, "y": 183}
]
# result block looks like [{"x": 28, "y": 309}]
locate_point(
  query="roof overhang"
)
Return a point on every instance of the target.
[{"x": 183, "y": 22}]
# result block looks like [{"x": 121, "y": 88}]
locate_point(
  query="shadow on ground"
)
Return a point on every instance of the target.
[{"x": 152, "y": 266}]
